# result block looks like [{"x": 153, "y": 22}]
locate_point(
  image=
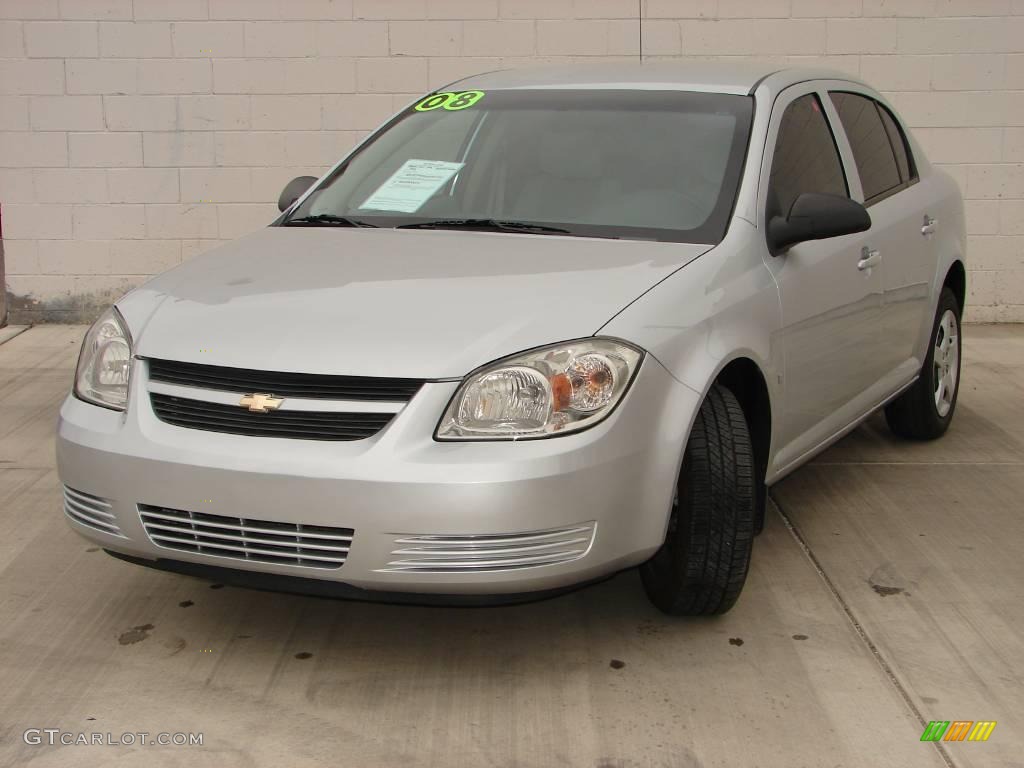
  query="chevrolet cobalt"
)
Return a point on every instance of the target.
[{"x": 541, "y": 326}]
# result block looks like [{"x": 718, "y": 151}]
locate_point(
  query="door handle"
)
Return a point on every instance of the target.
[
  {"x": 929, "y": 225},
  {"x": 869, "y": 257}
]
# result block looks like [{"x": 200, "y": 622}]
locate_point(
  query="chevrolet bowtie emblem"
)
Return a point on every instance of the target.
[{"x": 260, "y": 403}]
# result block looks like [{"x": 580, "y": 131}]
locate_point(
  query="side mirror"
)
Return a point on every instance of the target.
[
  {"x": 293, "y": 190},
  {"x": 816, "y": 217}
]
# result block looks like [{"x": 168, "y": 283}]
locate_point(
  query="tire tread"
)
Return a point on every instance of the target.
[{"x": 702, "y": 568}]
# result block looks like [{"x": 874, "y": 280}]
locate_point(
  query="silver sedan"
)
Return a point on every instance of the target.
[{"x": 541, "y": 326}]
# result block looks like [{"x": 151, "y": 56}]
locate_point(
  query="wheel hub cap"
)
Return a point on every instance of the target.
[{"x": 946, "y": 360}]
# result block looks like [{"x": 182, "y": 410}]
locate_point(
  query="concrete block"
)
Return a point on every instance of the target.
[
  {"x": 140, "y": 113},
  {"x": 66, "y": 113},
  {"x": 102, "y": 76},
  {"x": 177, "y": 149},
  {"x": 61, "y": 39},
  {"x": 143, "y": 185},
  {"x": 136, "y": 40},
  {"x": 179, "y": 221},
  {"x": 109, "y": 222},
  {"x": 71, "y": 185},
  {"x": 28, "y": 221},
  {"x": 208, "y": 39},
  {"x": 20, "y": 149},
  {"x": 105, "y": 150}
]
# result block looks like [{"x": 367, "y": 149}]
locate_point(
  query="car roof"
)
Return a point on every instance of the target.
[{"x": 703, "y": 76}]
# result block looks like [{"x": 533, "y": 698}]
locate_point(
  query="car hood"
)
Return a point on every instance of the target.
[{"x": 413, "y": 303}]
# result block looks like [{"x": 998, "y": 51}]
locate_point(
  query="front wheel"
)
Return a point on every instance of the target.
[
  {"x": 701, "y": 567},
  {"x": 925, "y": 410}
]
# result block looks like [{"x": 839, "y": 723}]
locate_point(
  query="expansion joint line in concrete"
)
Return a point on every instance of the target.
[{"x": 887, "y": 669}]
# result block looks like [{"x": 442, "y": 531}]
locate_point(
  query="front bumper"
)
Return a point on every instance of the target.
[{"x": 614, "y": 481}]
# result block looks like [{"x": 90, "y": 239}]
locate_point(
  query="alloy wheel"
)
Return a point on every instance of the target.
[{"x": 946, "y": 361}]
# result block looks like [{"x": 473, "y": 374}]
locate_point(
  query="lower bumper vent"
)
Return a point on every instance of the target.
[
  {"x": 260, "y": 541},
  {"x": 90, "y": 511},
  {"x": 492, "y": 552}
]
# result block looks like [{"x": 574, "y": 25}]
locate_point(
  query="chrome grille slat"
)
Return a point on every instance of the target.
[
  {"x": 92, "y": 520},
  {"x": 186, "y": 516},
  {"x": 484, "y": 553},
  {"x": 512, "y": 539},
  {"x": 78, "y": 506},
  {"x": 85, "y": 500},
  {"x": 485, "y": 565},
  {"x": 158, "y": 538},
  {"x": 90, "y": 511},
  {"x": 431, "y": 553},
  {"x": 243, "y": 538},
  {"x": 265, "y": 541},
  {"x": 98, "y": 525}
]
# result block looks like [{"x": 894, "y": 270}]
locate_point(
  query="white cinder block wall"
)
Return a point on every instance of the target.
[{"x": 135, "y": 134}]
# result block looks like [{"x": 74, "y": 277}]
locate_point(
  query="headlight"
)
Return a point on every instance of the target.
[
  {"x": 105, "y": 362},
  {"x": 549, "y": 391}
]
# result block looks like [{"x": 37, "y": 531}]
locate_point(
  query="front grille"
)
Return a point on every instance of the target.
[
  {"x": 304, "y": 385},
  {"x": 482, "y": 553},
  {"x": 258, "y": 541},
  {"x": 301, "y": 425},
  {"x": 91, "y": 511}
]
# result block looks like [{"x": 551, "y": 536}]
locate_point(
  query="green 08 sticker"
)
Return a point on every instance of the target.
[{"x": 450, "y": 101}]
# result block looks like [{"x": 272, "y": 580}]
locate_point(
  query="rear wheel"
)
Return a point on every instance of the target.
[
  {"x": 925, "y": 410},
  {"x": 701, "y": 567}
]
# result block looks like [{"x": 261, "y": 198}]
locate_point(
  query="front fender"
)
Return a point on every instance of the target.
[{"x": 720, "y": 307}]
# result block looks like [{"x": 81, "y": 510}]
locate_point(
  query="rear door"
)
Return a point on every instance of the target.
[
  {"x": 831, "y": 301},
  {"x": 3, "y": 279},
  {"x": 900, "y": 226}
]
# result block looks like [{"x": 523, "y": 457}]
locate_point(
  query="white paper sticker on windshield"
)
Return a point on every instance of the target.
[{"x": 411, "y": 185}]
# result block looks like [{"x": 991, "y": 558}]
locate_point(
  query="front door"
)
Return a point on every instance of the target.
[{"x": 831, "y": 290}]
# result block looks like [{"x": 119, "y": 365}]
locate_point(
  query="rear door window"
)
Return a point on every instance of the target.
[{"x": 883, "y": 165}]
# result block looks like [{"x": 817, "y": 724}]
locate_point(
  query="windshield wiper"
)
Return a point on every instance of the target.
[
  {"x": 487, "y": 225},
  {"x": 326, "y": 220}
]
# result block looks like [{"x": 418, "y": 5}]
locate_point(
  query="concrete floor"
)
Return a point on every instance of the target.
[{"x": 887, "y": 590}]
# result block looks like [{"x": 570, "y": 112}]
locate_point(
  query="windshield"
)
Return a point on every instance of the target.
[{"x": 646, "y": 165}]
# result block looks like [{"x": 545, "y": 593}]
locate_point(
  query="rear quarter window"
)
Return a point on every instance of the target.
[{"x": 900, "y": 146}]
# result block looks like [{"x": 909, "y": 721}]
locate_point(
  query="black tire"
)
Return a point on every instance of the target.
[
  {"x": 915, "y": 415},
  {"x": 701, "y": 567}
]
